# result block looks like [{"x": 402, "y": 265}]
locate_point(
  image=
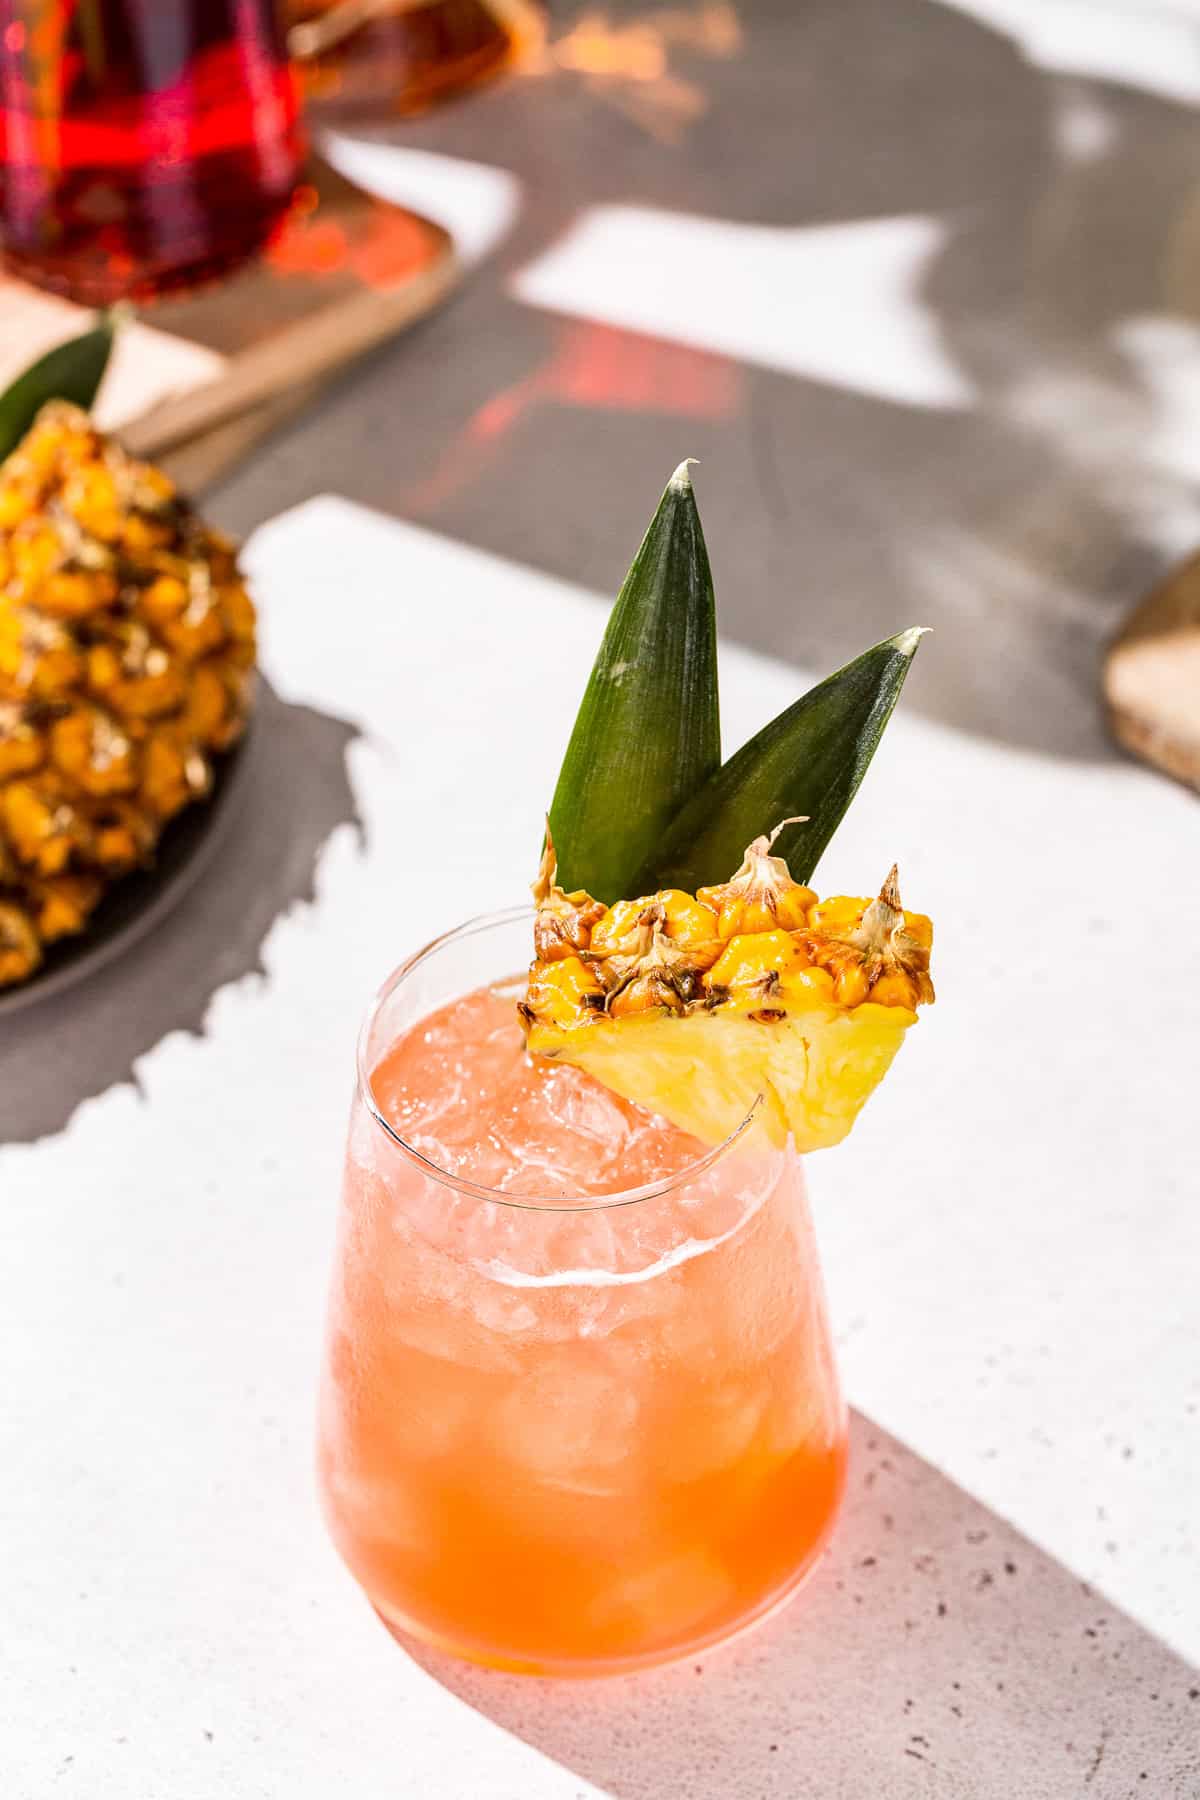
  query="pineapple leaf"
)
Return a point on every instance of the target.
[
  {"x": 71, "y": 371},
  {"x": 810, "y": 760},
  {"x": 648, "y": 732}
]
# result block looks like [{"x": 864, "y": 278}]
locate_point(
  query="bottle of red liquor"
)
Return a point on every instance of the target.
[{"x": 145, "y": 145}]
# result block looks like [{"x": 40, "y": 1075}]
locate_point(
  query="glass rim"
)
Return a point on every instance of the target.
[{"x": 650, "y": 1190}]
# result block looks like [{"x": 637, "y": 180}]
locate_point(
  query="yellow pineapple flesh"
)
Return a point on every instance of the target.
[
  {"x": 753, "y": 997},
  {"x": 127, "y": 648}
]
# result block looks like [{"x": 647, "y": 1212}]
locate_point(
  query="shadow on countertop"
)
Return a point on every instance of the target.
[
  {"x": 935, "y": 1655},
  {"x": 1020, "y": 526},
  {"x": 295, "y": 792}
]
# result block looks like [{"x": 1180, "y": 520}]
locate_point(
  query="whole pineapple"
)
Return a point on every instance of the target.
[{"x": 127, "y": 643}]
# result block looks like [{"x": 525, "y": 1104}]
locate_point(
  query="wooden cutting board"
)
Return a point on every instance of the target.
[
  {"x": 1152, "y": 677},
  {"x": 196, "y": 380}
]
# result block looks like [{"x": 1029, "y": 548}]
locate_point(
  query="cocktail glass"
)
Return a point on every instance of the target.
[{"x": 579, "y": 1412}]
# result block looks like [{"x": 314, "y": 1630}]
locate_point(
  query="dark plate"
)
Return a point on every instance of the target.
[{"x": 136, "y": 903}]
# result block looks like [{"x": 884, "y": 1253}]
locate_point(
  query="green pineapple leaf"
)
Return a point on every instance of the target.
[
  {"x": 71, "y": 371},
  {"x": 810, "y": 760},
  {"x": 648, "y": 732}
]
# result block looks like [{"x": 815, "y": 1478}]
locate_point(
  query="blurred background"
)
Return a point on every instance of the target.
[
  {"x": 920, "y": 280},
  {"x": 918, "y": 277}
]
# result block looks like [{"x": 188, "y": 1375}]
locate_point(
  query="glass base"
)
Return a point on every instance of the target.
[{"x": 407, "y": 1632}]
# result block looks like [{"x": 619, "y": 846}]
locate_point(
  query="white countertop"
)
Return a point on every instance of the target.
[{"x": 1011, "y": 1240}]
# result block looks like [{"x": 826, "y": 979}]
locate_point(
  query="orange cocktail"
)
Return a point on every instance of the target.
[{"x": 580, "y": 1411}]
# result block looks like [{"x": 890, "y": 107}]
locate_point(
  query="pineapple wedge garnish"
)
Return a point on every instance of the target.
[{"x": 753, "y": 996}]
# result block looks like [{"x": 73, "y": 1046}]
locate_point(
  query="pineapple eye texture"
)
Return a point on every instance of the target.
[
  {"x": 127, "y": 647},
  {"x": 752, "y": 996}
]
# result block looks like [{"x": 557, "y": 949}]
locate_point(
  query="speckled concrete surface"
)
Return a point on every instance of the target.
[{"x": 935, "y": 1653}]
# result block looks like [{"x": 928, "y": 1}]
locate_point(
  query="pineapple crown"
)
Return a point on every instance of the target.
[
  {"x": 643, "y": 799},
  {"x": 72, "y": 371}
]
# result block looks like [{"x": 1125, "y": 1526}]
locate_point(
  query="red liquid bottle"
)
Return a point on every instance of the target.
[{"x": 145, "y": 145}]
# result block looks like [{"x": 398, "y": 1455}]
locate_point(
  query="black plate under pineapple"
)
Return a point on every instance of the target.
[{"x": 137, "y": 902}]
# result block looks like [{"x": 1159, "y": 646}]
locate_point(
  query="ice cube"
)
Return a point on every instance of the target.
[
  {"x": 379, "y": 1510},
  {"x": 682, "y": 1592},
  {"x": 584, "y": 1108},
  {"x": 714, "y": 1430},
  {"x": 569, "y": 1422}
]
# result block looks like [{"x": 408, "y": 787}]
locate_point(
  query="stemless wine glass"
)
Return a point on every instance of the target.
[
  {"x": 579, "y": 1409},
  {"x": 144, "y": 144}
]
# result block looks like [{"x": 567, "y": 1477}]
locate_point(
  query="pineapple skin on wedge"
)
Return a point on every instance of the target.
[{"x": 754, "y": 997}]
